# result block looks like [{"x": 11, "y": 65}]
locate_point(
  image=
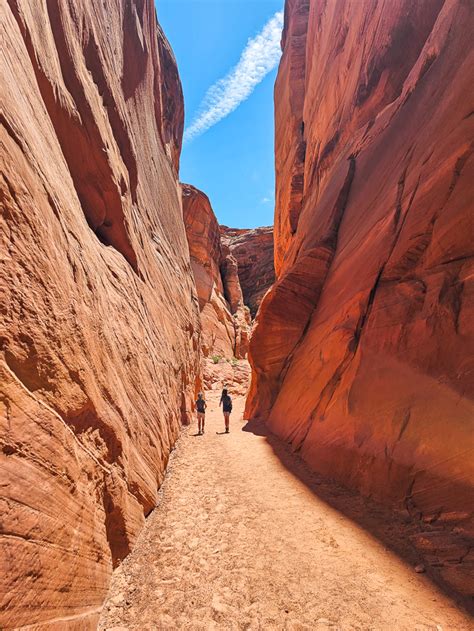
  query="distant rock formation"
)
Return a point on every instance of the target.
[
  {"x": 225, "y": 320},
  {"x": 253, "y": 251},
  {"x": 363, "y": 350},
  {"x": 99, "y": 320}
]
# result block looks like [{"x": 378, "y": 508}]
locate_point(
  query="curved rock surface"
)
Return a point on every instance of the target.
[
  {"x": 225, "y": 320},
  {"x": 99, "y": 319},
  {"x": 253, "y": 251},
  {"x": 363, "y": 350}
]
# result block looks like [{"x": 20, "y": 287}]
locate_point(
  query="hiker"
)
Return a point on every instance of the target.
[
  {"x": 201, "y": 413},
  {"x": 226, "y": 402}
]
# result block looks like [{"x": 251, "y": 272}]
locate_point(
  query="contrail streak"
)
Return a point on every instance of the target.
[{"x": 258, "y": 58}]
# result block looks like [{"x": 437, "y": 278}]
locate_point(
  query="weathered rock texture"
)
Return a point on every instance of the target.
[
  {"x": 363, "y": 351},
  {"x": 253, "y": 251},
  {"x": 99, "y": 318},
  {"x": 225, "y": 320}
]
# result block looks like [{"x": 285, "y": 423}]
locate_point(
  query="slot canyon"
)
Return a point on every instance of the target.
[{"x": 343, "y": 498}]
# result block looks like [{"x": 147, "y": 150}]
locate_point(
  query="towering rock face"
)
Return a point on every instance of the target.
[
  {"x": 253, "y": 251},
  {"x": 99, "y": 321},
  {"x": 224, "y": 318},
  {"x": 363, "y": 352}
]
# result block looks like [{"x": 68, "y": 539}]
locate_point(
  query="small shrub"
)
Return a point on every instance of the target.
[
  {"x": 216, "y": 359},
  {"x": 234, "y": 361}
]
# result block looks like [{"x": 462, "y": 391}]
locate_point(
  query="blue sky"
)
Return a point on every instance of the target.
[{"x": 233, "y": 160}]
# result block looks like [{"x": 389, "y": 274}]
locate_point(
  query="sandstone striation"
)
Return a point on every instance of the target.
[
  {"x": 253, "y": 251},
  {"x": 225, "y": 320},
  {"x": 99, "y": 319},
  {"x": 363, "y": 350}
]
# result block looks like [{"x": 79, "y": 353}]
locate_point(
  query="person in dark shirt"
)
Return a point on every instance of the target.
[
  {"x": 226, "y": 403},
  {"x": 201, "y": 413}
]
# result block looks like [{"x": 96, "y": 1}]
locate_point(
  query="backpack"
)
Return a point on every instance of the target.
[
  {"x": 227, "y": 403},
  {"x": 201, "y": 405}
]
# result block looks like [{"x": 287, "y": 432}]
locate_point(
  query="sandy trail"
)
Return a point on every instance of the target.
[{"x": 240, "y": 542}]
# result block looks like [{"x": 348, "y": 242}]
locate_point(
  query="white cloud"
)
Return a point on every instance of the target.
[
  {"x": 258, "y": 58},
  {"x": 265, "y": 200}
]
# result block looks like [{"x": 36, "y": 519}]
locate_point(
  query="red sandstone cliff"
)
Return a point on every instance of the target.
[
  {"x": 99, "y": 331},
  {"x": 363, "y": 351},
  {"x": 225, "y": 320},
  {"x": 253, "y": 251}
]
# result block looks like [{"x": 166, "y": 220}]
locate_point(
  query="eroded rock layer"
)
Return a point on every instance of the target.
[
  {"x": 99, "y": 319},
  {"x": 253, "y": 251},
  {"x": 363, "y": 351},
  {"x": 225, "y": 320}
]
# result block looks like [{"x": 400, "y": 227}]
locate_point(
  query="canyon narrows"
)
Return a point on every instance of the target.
[
  {"x": 362, "y": 354},
  {"x": 122, "y": 296}
]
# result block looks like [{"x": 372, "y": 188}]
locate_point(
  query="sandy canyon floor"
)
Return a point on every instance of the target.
[{"x": 245, "y": 537}]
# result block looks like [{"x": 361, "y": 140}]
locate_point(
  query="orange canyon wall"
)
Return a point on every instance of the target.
[
  {"x": 363, "y": 350},
  {"x": 99, "y": 318},
  {"x": 253, "y": 251},
  {"x": 225, "y": 320}
]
